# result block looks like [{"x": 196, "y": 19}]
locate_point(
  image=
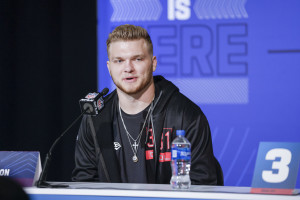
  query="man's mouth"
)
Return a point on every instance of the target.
[{"x": 130, "y": 79}]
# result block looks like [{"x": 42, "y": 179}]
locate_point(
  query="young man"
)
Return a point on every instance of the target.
[{"x": 130, "y": 140}]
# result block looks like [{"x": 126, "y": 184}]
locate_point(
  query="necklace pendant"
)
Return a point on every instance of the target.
[
  {"x": 135, "y": 158},
  {"x": 135, "y": 146}
]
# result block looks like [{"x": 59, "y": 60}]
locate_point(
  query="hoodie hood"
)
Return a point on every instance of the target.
[{"x": 164, "y": 90}]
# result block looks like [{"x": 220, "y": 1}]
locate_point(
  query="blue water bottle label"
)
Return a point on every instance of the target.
[{"x": 181, "y": 153}]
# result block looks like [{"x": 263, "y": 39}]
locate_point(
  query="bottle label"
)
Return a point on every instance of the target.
[{"x": 181, "y": 154}]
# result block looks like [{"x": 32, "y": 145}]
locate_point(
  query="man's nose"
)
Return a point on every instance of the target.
[{"x": 128, "y": 66}]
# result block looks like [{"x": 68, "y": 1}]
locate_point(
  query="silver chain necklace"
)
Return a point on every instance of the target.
[{"x": 134, "y": 146}]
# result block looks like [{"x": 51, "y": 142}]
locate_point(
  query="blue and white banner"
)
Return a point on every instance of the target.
[
  {"x": 237, "y": 59},
  {"x": 22, "y": 166}
]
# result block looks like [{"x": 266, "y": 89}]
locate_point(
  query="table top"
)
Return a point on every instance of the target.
[{"x": 155, "y": 191}]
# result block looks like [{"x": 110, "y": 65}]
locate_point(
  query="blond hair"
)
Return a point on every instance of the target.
[{"x": 129, "y": 32}]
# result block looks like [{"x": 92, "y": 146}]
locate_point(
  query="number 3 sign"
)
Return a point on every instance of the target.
[{"x": 276, "y": 168}]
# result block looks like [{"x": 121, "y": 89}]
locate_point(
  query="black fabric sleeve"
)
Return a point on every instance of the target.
[
  {"x": 203, "y": 167},
  {"x": 188, "y": 116},
  {"x": 85, "y": 155}
]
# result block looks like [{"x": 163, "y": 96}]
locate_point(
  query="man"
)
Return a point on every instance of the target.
[{"x": 130, "y": 140}]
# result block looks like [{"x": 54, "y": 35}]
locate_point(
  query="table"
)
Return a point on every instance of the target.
[{"x": 128, "y": 191}]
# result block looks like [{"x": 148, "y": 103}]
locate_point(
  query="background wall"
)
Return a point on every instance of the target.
[
  {"x": 239, "y": 60},
  {"x": 47, "y": 63}
]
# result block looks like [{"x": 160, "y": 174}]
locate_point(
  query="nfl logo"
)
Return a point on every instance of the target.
[
  {"x": 99, "y": 103},
  {"x": 91, "y": 95}
]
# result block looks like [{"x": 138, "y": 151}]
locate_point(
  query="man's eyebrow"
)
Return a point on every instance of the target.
[
  {"x": 138, "y": 55},
  {"x": 131, "y": 57},
  {"x": 116, "y": 57}
]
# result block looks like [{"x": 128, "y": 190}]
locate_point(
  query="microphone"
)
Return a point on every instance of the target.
[{"x": 91, "y": 104}]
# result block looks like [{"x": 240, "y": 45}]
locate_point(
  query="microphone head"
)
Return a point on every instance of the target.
[{"x": 93, "y": 102}]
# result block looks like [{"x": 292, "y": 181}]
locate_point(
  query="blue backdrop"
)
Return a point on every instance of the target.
[{"x": 238, "y": 60}]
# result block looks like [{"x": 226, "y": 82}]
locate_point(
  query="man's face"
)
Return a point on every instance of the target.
[{"x": 131, "y": 65}]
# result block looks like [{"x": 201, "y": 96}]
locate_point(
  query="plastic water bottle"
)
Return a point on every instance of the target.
[{"x": 181, "y": 161}]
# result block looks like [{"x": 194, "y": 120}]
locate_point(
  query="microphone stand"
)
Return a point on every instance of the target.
[{"x": 41, "y": 183}]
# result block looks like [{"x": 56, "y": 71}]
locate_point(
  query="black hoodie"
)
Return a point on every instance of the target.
[{"x": 171, "y": 111}]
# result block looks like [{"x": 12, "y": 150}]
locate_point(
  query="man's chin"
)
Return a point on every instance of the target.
[
  {"x": 133, "y": 90},
  {"x": 130, "y": 91}
]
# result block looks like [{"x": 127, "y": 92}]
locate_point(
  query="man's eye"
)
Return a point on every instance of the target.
[
  {"x": 118, "y": 61},
  {"x": 139, "y": 59}
]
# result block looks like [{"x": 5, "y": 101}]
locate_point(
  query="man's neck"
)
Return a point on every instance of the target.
[{"x": 133, "y": 104}]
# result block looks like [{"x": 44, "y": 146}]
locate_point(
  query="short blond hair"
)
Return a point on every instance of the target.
[{"x": 129, "y": 32}]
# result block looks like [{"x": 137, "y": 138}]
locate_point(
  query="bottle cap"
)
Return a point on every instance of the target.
[{"x": 180, "y": 132}]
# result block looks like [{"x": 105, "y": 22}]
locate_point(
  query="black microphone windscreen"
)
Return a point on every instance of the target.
[{"x": 104, "y": 91}]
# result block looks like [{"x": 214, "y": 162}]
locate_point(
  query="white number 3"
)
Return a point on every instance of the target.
[{"x": 282, "y": 165}]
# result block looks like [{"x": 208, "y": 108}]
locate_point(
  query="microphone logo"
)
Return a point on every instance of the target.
[
  {"x": 91, "y": 95},
  {"x": 100, "y": 103}
]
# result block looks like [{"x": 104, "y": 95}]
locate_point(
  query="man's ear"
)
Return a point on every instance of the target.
[
  {"x": 154, "y": 63},
  {"x": 108, "y": 67}
]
